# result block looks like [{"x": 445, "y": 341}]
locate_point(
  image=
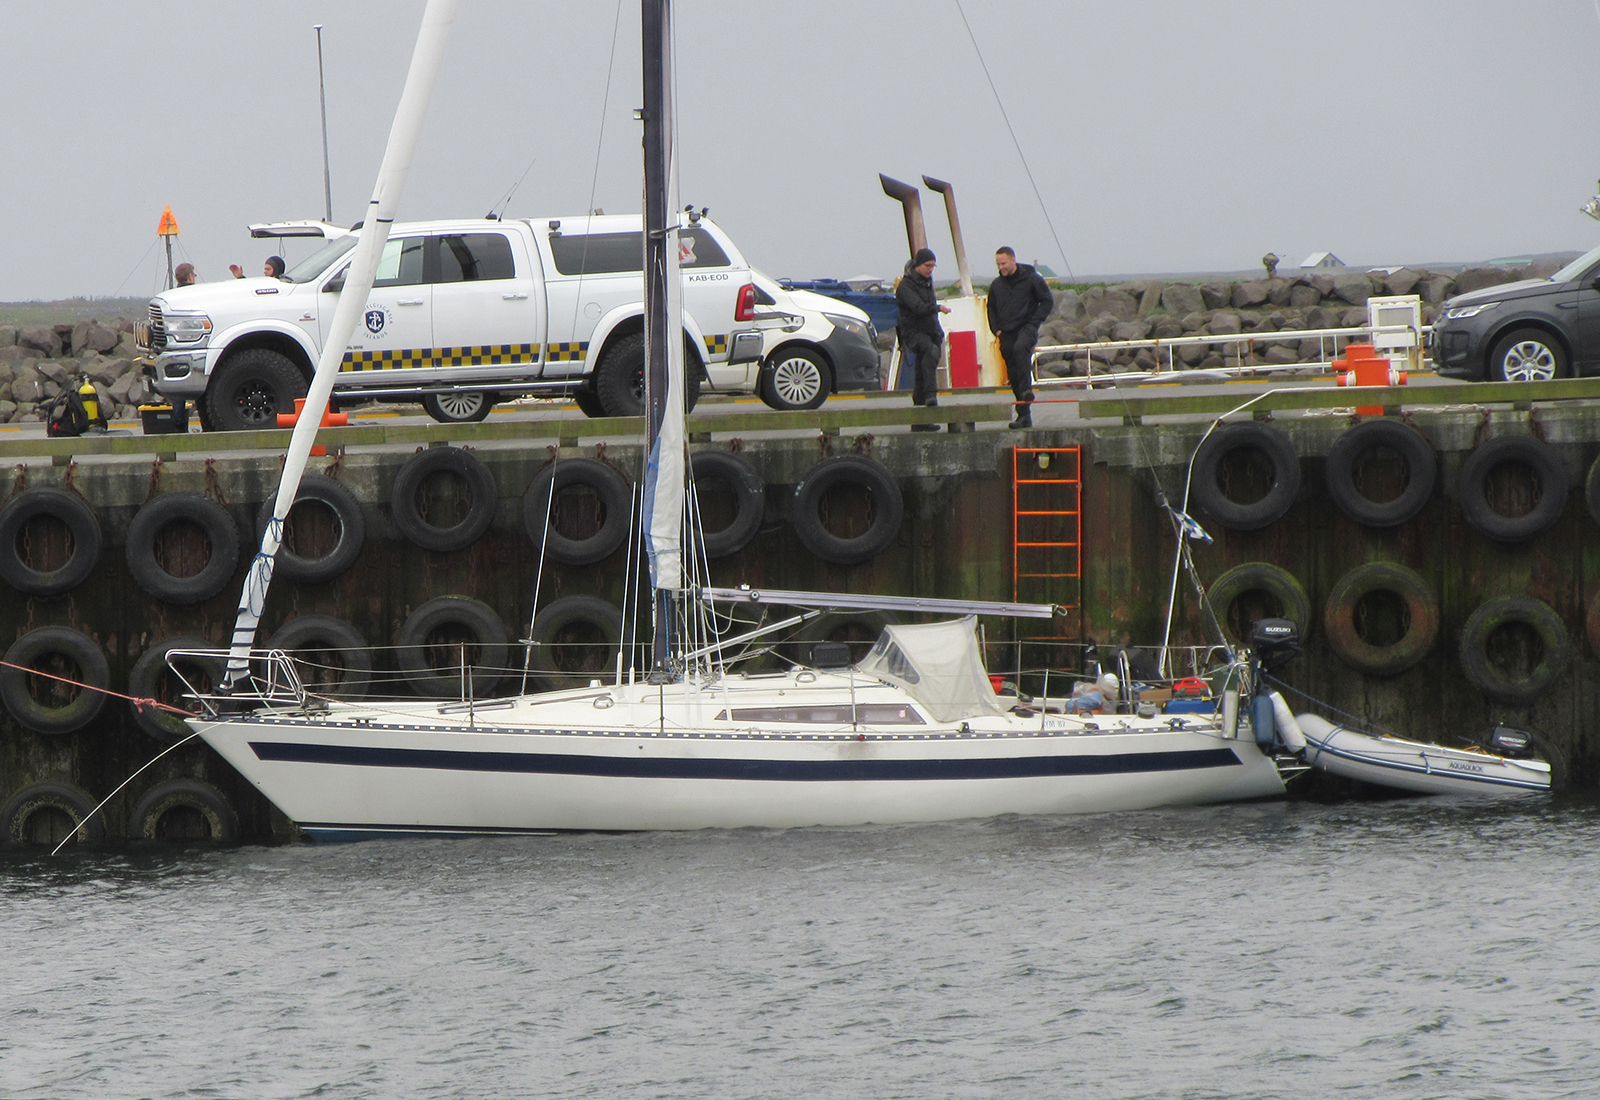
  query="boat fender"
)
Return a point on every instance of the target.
[
  {"x": 151, "y": 678},
  {"x": 749, "y": 499},
  {"x": 410, "y": 514},
  {"x": 1549, "y": 471},
  {"x": 1490, "y": 678},
  {"x": 1421, "y": 472},
  {"x": 1277, "y": 584},
  {"x": 219, "y": 544},
  {"x": 1230, "y": 713},
  {"x": 211, "y": 817},
  {"x": 886, "y": 510},
  {"x": 561, "y": 627},
  {"x": 444, "y": 628},
  {"x": 1284, "y": 467},
  {"x": 609, "y": 512},
  {"x": 1289, "y": 731},
  {"x": 59, "y": 706},
  {"x": 70, "y": 510},
  {"x": 1261, "y": 721},
  {"x": 351, "y": 525},
  {"x": 333, "y": 659},
  {"x": 26, "y": 818},
  {"x": 1421, "y": 617}
]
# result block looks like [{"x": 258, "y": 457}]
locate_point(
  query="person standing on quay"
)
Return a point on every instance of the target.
[
  {"x": 1019, "y": 302},
  {"x": 921, "y": 335}
]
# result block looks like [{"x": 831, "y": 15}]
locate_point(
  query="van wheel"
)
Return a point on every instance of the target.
[
  {"x": 458, "y": 407},
  {"x": 251, "y": 389},
  {"x": 619, "y": 381},
  {"x": 794, "y": 379}
]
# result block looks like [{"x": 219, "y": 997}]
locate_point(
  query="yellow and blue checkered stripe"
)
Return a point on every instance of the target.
[
  {"x": 480, "y": 355},
  {"x": 717, "y": 344}
]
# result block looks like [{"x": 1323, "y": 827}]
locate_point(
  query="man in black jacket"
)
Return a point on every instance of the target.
[
  {"x": 921, "y": 335},
  {"x": 1019, "y": 302}
]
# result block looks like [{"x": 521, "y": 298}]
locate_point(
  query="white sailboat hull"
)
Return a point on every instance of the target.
[
  {"x": 548, "y": 765},
  {"x": 1415, "y": 765}
]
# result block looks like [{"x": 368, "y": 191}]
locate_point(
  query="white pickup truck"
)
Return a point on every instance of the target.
[{"x": 464, "y": 314}]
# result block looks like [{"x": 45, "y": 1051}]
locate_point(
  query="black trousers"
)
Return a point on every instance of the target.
[
  {"x": 1016, "y": 347},
  {"x": 921, "y": 354}
]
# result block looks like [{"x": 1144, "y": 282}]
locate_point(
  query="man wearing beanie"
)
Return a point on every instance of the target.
[
  {"x": 1019, "y": 302},
  {"x": 921, "y": 335}
]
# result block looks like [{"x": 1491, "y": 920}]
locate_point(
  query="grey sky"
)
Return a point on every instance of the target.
[{"x": 1166, "y": 135}]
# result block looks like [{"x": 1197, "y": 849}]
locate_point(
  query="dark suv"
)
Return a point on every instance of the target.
[{"x": 1529, "y": 331}]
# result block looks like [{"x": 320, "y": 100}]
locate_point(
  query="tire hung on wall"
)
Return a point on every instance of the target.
[
  {"x": 1480, "y": 632},
  {"x": 1282, "y": 465},
  {"x": 1260, "y": 577},
  {"x": 152, "y": 678},
  {"x": 1342, "y": 472},
  {"x": 432, "y": 639},
  {"x": 184, "y": 810},
  {"x": 348, "y": 533},
  {"x": 565, "y": 625},
  {"x": 1418, "y": 610},
  {"x": 1591, "y": 491},
  {"x": 47, "y": 813},
  {"x": 218, "y": 531},
  {"x": 81, "y": 526},
  {"x": 749, "y": 499},
  {"x": 886, "y": 509},
  {"x": 856, "y": 629},
  {"x": 49, "y": 705},
  {"x": 602, "y": 524},
  {"x": 410, "y": 512},
  {"x": 332, "y": 658},
  {"x": 1548, "y": 470}
]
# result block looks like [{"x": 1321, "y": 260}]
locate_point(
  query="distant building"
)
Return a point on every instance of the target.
[
  {"x": 1044, "y": 269},
  {"x": 1321, "y": 259}
]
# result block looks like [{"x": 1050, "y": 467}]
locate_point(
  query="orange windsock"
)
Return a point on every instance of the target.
[{"x": 169, "y": 224}]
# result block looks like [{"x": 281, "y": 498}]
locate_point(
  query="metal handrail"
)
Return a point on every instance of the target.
[{"x": 1244, "y": 339}]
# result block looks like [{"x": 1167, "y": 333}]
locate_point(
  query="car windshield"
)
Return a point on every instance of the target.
[
  {"x": 316, "y": 263},
  {"x": 1576, "y": 267}
]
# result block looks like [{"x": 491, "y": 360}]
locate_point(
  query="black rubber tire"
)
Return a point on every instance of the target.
[
  {"x": 80, "y": 522},
  {"x": 1547, "y": 467},
  {"x": 471, "y": 617},
  {"x": 616, "y": 502},
  {"x": 308, "y": 634},
  {"x": 204, "y": 513},
  {"x": 251, "y": 388},
  {"x": 18, "y": 827},
  {"x": 1530, "y": 354},
  {"x": 216, "y": 815},
  {"x": 588, "y": 402},
  {"x": 889, "y": 509},
  {"x": 1339, "y": 618},
  {"x": 408, "y": 518},
  {"x": 749, "y": 496},
  {"x": 1260, "y": 576},
  {"x": 794, "y": 379},
  {"x": 559, "y": 617},
  {"x": 1591, "y": 491},
  {"x": 459, "y": 407},
  {"x": 352, "y": 532},
  {"x": 1275, "y": 447},
  {"x": 1488, "y": 618},
  {"x": 42, "y": 642},
  {"x": 857, "y": 629},
  {"x": 1422, "y": 467},
  {"x": 619, "y": 379},
  {"x": 149, "y": 679}
]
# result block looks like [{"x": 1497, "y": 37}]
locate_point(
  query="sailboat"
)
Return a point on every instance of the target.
[{"x": 913, "y": 732}]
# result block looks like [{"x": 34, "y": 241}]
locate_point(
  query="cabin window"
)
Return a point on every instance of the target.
[
  {"x": 475, "y": 257},
  {"x": 867, "y": 714},
  {"x": 608, "y": 253},
  {"x": 401, "y": 263}
]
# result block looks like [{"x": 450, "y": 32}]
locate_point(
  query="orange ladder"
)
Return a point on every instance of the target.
[{"x": 1047, "y": 525}]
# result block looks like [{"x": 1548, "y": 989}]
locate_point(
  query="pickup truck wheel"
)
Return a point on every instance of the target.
[
  {"x": 1527, "y": 355},
  {"x": 794, "y": 379},
  {"x": 588, "y": 403},
  {"x": 458, "y": 407},
  {"x": 619, "y": 381},
  {"x": 251, "y": 389}
]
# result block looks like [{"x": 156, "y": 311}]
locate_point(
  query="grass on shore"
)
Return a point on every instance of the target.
[{"x": 72, "y": 310}]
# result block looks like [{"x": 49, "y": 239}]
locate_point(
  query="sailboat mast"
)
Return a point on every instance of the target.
[{"x": 663, "y": 340}]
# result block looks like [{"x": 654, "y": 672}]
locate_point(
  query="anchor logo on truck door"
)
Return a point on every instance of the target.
[{"x": 377, "y": 320}]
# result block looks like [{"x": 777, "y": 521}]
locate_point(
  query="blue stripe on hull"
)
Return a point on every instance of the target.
[
  {"x": 1319, "y": 748},
  {"x": 786, "y": 771}
]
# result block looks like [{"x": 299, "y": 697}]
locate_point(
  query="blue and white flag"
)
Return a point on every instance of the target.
[{"x": 1190, "y": 526}]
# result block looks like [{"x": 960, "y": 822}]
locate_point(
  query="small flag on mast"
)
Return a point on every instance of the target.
[{"x": 169, "y": 224}]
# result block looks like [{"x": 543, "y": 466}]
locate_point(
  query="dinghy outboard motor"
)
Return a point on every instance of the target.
[
  {"x": 1517, "y": 744},
  {"x": 1274, "y": 641}
]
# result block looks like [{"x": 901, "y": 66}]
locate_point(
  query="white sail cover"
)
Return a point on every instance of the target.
[{"x": 939, "y": 665}]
